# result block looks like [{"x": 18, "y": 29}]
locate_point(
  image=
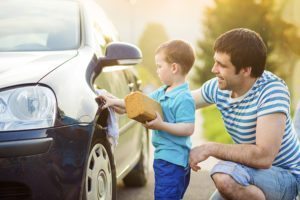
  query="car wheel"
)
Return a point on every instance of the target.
[
  {"x": 139, "y": 174},
  {"x": 100, "y": 179}
]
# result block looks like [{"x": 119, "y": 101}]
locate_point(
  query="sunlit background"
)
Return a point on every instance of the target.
[
  {"x": 147, "y": 23},
  {"x": 179, "y": 18}
]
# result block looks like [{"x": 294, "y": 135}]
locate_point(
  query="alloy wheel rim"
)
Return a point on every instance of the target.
[{"x": 98, "y": 181}]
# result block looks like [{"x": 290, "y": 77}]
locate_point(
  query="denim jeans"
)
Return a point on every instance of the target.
[{"x": 276, "y": 183}]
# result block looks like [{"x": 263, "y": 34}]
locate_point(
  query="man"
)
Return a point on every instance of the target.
[
  {"x": 264, "y": 162},
  {"x": 297, "y": 119}
]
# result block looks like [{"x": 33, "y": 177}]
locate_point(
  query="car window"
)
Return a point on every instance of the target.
[
  {"x": 39, "y": 25},
  {"x": 114, "y": 81},
  {"x": 131, "y": 76}
]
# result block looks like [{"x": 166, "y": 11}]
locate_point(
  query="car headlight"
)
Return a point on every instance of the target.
[{"x": 28, "y": 107}]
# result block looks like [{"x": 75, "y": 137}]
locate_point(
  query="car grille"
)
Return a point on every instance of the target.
[{"x": 14, "y": 191}]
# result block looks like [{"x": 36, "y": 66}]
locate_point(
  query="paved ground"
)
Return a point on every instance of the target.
[
  {"x": 201, "y": 185},
  {"x": 200, "y": 188}
]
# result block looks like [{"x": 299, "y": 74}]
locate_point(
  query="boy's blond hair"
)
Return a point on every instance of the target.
[{"x": 180, "y": 52}]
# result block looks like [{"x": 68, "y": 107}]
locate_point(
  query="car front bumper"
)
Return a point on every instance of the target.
[{"x": 44, "y": 164}]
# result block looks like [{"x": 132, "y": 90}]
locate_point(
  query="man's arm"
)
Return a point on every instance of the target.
[
  {"x": 178, "y": 129},
  {"x": 269, "y": 133},
  {"x": 297, "y": 119},
  {"x": 198, "y": 98}
]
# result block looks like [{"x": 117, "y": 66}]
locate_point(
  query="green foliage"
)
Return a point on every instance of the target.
[
  {"x": 213, "y": 126},
  {"x": 258, "y": 15},
  {"x": 153, "y": 35}
]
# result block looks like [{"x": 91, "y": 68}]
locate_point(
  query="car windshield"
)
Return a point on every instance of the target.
[{"x": 39, "y": 25}]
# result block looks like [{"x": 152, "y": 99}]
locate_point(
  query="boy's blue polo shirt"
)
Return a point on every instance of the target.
[{"x": 178, "y": 107}]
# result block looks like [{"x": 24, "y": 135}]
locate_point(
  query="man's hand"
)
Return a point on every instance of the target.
[
  {"x": 155, "y": 124},
  {"x": 197, "y": 155}
]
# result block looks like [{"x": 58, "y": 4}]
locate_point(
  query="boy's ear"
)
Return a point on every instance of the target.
[{"x": 175, "y": 68}]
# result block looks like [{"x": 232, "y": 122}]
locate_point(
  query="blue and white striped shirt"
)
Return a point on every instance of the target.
[{"x": 268, "y": 95}]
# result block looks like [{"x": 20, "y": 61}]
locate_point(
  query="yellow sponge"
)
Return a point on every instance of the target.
[{"x": 141, "y": 107}]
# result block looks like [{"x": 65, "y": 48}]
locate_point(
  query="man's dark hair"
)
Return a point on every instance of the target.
[{"x": 245, "y": 48}]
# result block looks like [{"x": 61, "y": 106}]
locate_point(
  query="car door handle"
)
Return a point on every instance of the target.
[
  {"x": 131, "y": 86},
  {"x": 139, "y": 84}
]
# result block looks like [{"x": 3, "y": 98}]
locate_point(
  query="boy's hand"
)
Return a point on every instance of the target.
[
  {"x": 106, "y": 99},
  {"x": 109, "y": 100},
  {"x": 155, "y": 124}
]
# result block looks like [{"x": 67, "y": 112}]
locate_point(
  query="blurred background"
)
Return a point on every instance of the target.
[{"x": 147, "y": 23}]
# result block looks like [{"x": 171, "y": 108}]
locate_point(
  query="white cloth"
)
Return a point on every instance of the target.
[{"x": 112, "y": 123}]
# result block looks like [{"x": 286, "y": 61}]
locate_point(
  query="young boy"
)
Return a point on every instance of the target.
[{"x": 171, "y": 137}]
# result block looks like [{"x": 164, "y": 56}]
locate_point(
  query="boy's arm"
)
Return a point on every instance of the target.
[
  {"x": 178, "y": 129},
  {"x": 119, "y": 110},
  {"x": 111, "y": 101}
]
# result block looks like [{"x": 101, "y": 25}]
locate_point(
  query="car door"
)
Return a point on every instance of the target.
[{"x": 115, "y": 81}]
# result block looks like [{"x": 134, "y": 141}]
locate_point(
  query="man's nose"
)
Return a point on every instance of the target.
[{"x": 214, "y": 69}]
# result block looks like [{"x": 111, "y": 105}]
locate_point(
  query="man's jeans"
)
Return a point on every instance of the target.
[{"x": 276, "y": 183}]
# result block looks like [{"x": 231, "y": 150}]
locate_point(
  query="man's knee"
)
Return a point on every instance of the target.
[{"x": 224, "y": 183}]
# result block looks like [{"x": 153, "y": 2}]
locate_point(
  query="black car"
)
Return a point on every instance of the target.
[{"x": 54, "y": 136}]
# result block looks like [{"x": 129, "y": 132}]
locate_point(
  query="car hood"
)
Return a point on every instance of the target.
[{"x": 29, "y": 67}]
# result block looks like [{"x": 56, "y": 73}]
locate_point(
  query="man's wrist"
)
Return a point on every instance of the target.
[{"x": 209, "y": 149}]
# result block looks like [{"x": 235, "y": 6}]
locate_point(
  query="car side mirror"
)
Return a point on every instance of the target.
[
  {"x": 120, "y": 53},
  {"x": 117, "y": 53}
]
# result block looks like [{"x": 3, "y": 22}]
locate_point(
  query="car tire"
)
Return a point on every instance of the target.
[
  {"x": 100, "y": 178},
  {"x": 139, "y": 174}
]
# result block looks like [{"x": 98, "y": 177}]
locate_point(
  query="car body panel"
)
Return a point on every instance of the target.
[{"x": 24, "y": 67}]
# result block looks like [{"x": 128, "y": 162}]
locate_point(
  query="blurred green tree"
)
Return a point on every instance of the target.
[
  {"x": 262, "y": 16},
  {"x": 289, "y": 10},
  {"x": 153, "y": 35}
]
